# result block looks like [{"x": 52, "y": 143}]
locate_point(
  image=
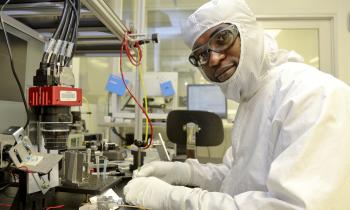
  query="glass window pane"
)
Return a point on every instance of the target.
[{"x": 303, "y": 41}]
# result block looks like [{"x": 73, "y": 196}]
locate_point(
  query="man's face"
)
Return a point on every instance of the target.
[{"x": 218, "y": 51}]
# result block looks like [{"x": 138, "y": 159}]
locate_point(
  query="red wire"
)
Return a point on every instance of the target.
[
  {"x": 26, "y": 169},
  {"x": 55, "y": 207},
  {"x": 48, "y": 208},
  {"x": 5, "y": 205},
  {"x": 132, "y": 59},
  {"x": 137, "y": 102}
]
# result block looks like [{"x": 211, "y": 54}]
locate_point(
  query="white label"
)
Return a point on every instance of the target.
[{"x": 68, "y": 95}]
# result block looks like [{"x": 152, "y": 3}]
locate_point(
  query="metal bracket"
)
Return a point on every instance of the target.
[
  {"x": 191, "y": 129},
  {"x": 26, "y": 159}
]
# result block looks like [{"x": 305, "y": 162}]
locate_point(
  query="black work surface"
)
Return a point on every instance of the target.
[{"x": 68, "y": 199}]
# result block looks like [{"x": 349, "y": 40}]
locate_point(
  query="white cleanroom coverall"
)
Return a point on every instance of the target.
[{"x": 291, "y": 135}]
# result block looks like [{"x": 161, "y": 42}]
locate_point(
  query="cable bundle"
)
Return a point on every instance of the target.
[{"x": 62, "y": 44}]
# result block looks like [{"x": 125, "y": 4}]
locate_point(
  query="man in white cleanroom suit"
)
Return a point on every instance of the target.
[{"x": 291, "y": 136}]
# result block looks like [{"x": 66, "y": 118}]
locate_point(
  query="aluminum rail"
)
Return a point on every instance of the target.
[
  {"x": 20, "y": 26},
  {"x": 107, "y": 16}
]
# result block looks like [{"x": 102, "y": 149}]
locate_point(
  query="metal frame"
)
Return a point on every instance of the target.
[
  {"x": 106, "y": 15},
  {"x": 20, "y": 26}
]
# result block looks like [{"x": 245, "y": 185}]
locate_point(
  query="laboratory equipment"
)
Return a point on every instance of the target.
[
  {"x": 36, "y": 170},
  {"x": 53, "y": 93},
  {"x": 188, "y": 129}
]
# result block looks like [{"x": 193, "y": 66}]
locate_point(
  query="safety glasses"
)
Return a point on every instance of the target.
[{"x": 218, "y": 42}]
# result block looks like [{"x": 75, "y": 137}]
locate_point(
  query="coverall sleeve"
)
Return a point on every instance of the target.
[
  {"x": 209, "y": 176},
  {"x": 311, "y": 169}
]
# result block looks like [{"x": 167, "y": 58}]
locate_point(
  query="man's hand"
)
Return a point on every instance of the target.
[
  {"x": 147, "y": 192},
  {"x": 171, "y": 172}
]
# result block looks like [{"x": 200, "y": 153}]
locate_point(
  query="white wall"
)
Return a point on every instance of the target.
[{"x": 339, "y": 8}]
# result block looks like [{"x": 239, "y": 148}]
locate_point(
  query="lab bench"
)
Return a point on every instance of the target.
[{"x": 67, "y": 196}]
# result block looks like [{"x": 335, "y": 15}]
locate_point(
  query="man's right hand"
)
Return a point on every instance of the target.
[{"x": 177, "y": 173}]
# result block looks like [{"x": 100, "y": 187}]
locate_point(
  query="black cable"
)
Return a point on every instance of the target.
[
  {"x": 68, "y": 35},
  {"x": 118, "y": 134},
  {"x": 66, "y": 23},
  {"x": 71, "y": 28},
  {"x": 76, "y": 8},
  {"x": 13, "y": 68},
  {"x": 58, "y": 29},
  {"x": 71, "y": 34},
  {"x": 74, "y": 39},
  {"x": 55, "y": 57},
  {"x": 75, "y": 31},
  {"x": 57, "y": 32}
]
